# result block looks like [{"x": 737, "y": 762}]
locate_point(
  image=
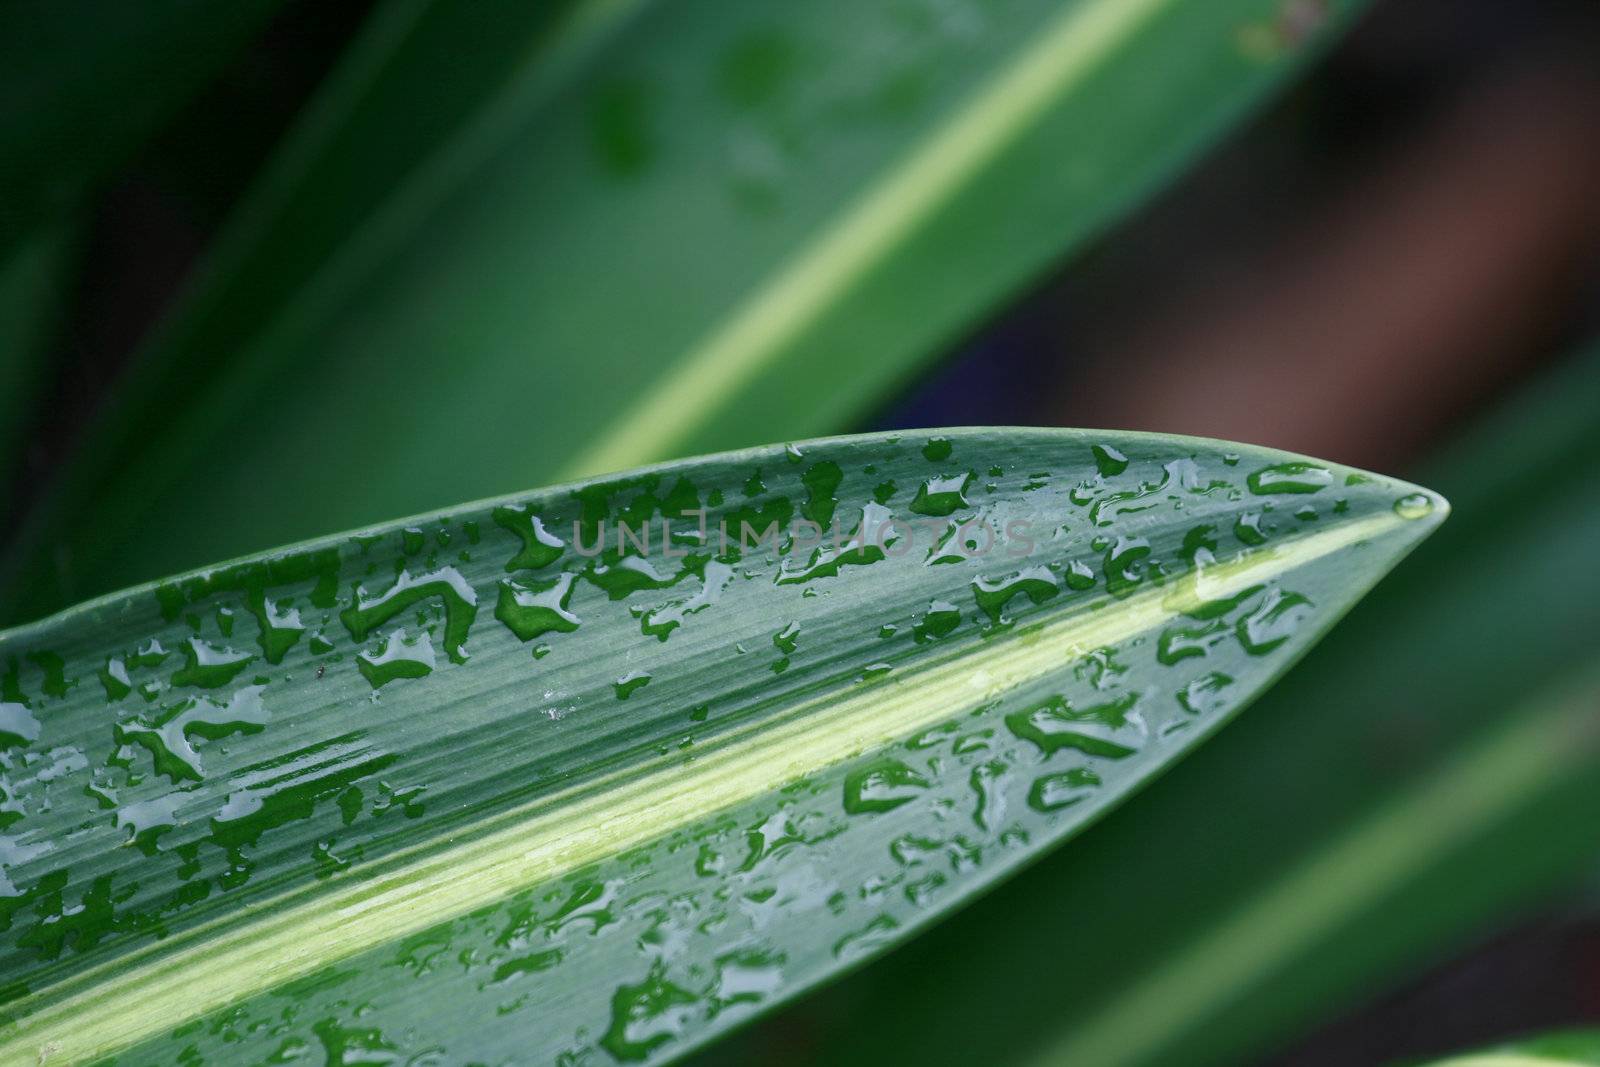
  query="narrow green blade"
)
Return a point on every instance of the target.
[
  {"x": 84, "y": 82},
  {"x": 1427, "y": 774},
  {"x": 454, "y": 788},
  {"x": 699, "y": 225}
]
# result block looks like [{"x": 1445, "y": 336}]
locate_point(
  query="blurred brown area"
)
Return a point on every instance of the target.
[
  {"x": 1400, "y": 239},
  {"x": 1430, "y": 283},
  {"x": 1500, "y": 991}
]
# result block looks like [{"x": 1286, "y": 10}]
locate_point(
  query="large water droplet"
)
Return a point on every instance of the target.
[
  {"x": 1112, "y": 729},
  {"x": 400, "y": 657},
  {"x": 1274, "y": 622},
  {"x": 1293, "y": 477},
  {"x": 882, "y": 785},
  {"x": 941, "y": 496},
  {"x": 1414, "y": 506},
  {"x": 1108, "y": 461},
  {"x": 1052, "y": 792}
]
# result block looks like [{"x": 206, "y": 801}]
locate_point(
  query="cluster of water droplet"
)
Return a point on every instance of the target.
[{"x": 281, "y": 720}]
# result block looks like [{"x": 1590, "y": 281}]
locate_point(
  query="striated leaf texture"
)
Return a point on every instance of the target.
[
  {"x": 492, "y": 785},
  {"x": 699, "y": 225}
]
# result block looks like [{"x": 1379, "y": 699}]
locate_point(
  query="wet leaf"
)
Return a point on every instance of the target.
[
  {"x": 423, "y": 791},
  {"x": 1426, "y": 762}
]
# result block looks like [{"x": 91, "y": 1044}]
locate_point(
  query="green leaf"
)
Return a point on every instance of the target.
[
  {"x": 698, "y": 225},
  {"x": 451, "y": 784},
  {"x": 84, "y": 82},
  {"x": 1569, "y": 1048},
  {"x": 1423, "y": 765}
]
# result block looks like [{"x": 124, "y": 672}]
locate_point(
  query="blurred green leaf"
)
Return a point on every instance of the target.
[
  {"x": 330, "y": 796},
  {"x": 33, "y": 287},
  {"x": 513, "y": 243},
  {"x": 1570, "y": 1048},
  {"x": 1430, "y": 768},
  {"x": 83, "y": 82}
]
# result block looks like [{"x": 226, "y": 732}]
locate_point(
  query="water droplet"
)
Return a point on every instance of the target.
[
  {"x": 1078, "y": 576},
  {"x": 1414, "y": 506},
  {"x": 747, "y": 976},
  {"x": 986, "y": 781},
  {"x": 530, "y": 611},
  {"x": 1052, "y": 792},
  {"x": 1108, "y": 461},
  {"x": 17, "y": 725},
  {"x": 521, "y": 965},
  {"x": 628, "y": 575},
  {"x": 348, "y": 1046},
  {"x": 399, "y": 658},
  {"x": 170, "y": 735},
  {"x": 630, "y": 683},
  {"x": 1113, "y": 729},
  {"x": 882, "y": 785},
  {"x": 1125, "y": 565},
  {"x": 207, "y": 667},
  {"x": 540, "y": 547},
  {"x": 146, "y": 820},
  {"x": 369, "y": 610},
  {"x": 1178, "y": 643},
  {"x": 647, "y": 1015},
  {"x": 992, "y": 595},
  {"x": 787, "y": 639},
  {"x": 876, "y": 934},
  {"x": 937, "y": 450},
  {"x": 1274, "y": 622},
  {"x": 940, "y": 620},
  {"x": 941, "y": 496},
  {"x": 1247, "y": 528},
  {"x": 873, "y": 671},
  {"x": 1293, "y": 477},
  {"x": 1206, "y": 694},
  {"x": 821, "y": 481}
]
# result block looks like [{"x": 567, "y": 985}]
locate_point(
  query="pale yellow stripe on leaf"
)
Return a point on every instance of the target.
[
  {"x": 881, "y": 218},
  {"x": 560, "y": 834}
]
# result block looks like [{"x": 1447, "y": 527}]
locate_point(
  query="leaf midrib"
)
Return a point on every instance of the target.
[{"x": 121, "y": 1001}]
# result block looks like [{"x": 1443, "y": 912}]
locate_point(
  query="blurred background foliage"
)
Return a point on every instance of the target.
[{"x": 304, "y": 231}]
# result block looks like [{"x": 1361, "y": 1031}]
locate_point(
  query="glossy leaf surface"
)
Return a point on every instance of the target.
[
  {"x": 457, "y": 785},
  {"x": 1433, "y": 769},
  {"x": 699, "y": 225}
]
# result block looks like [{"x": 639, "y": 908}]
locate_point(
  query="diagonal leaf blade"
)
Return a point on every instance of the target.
[
  {"x": 482, "y": 786},
  {"x": 685, "y": 220},
  {"x": 1425, "y": 764}
]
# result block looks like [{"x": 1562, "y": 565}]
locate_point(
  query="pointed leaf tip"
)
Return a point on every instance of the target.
[{"x": 614, "y": 765}]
